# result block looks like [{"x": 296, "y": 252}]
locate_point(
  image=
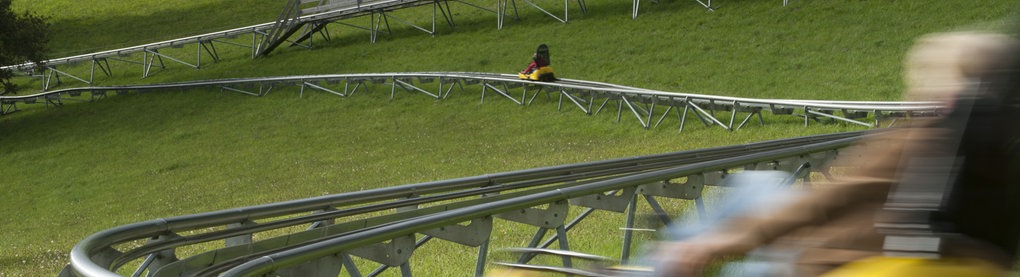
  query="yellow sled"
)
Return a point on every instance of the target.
[
  {"x": 911, "y": 267},
  {"x": 544, "y": 74}
]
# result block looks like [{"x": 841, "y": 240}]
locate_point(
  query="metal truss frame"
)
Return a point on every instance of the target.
[
  {"x": 461, "y": 211},
  {"x": 381, "y": 18},
  {"x": 502, "y": 6},
  {"x": 150, "y": 58},
  {"x": 648, "y": 108},
  {"x": 268, "y": 36}
]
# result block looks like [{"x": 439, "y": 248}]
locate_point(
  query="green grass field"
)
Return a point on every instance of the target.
[{"x": 72, "y": 171}]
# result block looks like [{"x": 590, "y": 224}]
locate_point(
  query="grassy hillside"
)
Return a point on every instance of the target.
[
  {"x": 82, "y": 168},
  {"x": 812, "y": 50},
  {"x": 81, "y": 27}
]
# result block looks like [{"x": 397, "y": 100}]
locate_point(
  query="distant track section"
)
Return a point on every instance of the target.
[
  {"x": 341, "y": 233},
  {"x": 649, "y": 108},
  {"x": 303, "y": 17},
  {"x": 297, "y": 18}
]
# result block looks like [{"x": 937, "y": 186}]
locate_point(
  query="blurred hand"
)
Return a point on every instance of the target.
[
  {"x": 690, "y": 257},
  {"x": 682, "y": 258}
]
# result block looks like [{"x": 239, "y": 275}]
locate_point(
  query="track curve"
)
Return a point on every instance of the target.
[
  {"x": 380, "y": 225},
  {"x": 649, "y": 107}
]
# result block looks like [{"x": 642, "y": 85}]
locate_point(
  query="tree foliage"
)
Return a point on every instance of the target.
[{"x": 23, "y": 38}]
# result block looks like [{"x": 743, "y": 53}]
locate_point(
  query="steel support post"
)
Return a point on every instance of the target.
[
  {"x": 687, "y": 106},
  {"x": 159, "y": 259},
  {"x": 446, "y": 93},
  {"x": 699, "y": 111},
  {"x": 222, "y": 88},
  {"x": 53, "y": 72},
  {"x": 664, "y": 115},
  {"x": 575, "y": 101},
  {"x": 144, "y": 266},
  {"x": 707, "y": 5},
  {"x": 148, "y": 60},
  {"x": 628, "y": 231},
  {"x": 566, "y": 11},
  {"x": 733, "y": 115},
  {"x": 70, "y": 75},
  {"x": 591, "y": 102},
  {"x": 634, "y": 111},
  {"x": 501, "y": 12},
  {"x": 526, "y": 257},
  {"x": 570, "y": 225},
  {"x": 8, "y": 107},
  {"x": 500, "y": 8},
  {"x": 484, "y": 87},
  {"x": 659, "y": 211},
  {"x": 104, "y": 66},
  {"x": 209, "y": 48},
  {"x": 320, "y": 88},
  {"x": 561, "y": 232},
  {"x": 408, "y": 86},
  {"x": 651, "y": 110},
  {"x": 524, "y": 94},
  {"x": 619, "y": 109},
  {"x": 405, "y": 270},
  {"x": 806, "y": 112},
  {"x": 155, "y": 52},
  {"x": 377, "y": 23},
  {"x": 49, "y": 76},
  {"x": 608, "y": 98},
  {"x": 382, "y": 268},
  {"x": 634, "y": 9},
  {"x": 405, "y": 22},
  {"x": 501, "y": 92},
  {"x": 348, "y": 264},
  {"x": 447, "y": 12},
  {"x": 761, "y": 120},
  {"x": 256, "y": 43},
  {"x": 540, "y": 90},
  {"x": 839, "y": 118},
  {"x": 483, "y": 254}
]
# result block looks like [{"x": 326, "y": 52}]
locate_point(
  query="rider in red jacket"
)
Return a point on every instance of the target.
[{"x": 539, "y": 59}]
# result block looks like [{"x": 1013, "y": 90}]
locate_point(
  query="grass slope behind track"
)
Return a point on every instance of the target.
[{"x": 82, "y": 168}]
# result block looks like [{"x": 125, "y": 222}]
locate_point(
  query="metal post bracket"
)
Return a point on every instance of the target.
[
  {"x": 474, "y": 234},
  {"x": 395, "y": 253},
  {"x": 551, "y": 217},
  {"x": 610, "y": 202},
  {"x": 688, "y": 189}
]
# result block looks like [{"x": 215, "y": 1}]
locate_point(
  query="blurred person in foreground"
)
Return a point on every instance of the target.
[{"x": 832, "y": 228}]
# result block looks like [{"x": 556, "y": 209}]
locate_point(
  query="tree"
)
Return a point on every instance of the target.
[{"x": 23, "y": 38}]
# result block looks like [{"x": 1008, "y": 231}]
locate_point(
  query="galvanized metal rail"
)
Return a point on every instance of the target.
[
  {"x": 323, "y": 235},
  {"x": 264, "y": 37},
  {"x": 268, "y": 36},
  {"x": 649, "y": 108}
]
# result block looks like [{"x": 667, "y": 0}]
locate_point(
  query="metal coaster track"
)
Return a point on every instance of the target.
[
  {"x": 322, "y": 236},
  {"x": 381, "y": 225},
  {"x": 650, "y": 108},
  {"x": 264, "y": 37},
  {"x": 268, "y": 36}
]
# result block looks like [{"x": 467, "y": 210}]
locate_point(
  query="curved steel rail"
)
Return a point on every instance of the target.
[
  {"x": 271, "y": 262},
  {"x": 320, "y": 15},
  {"x": 426, "y": 208},
  {"x": 264, "y": 36},
  {"x": 649, "y": 107}
]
